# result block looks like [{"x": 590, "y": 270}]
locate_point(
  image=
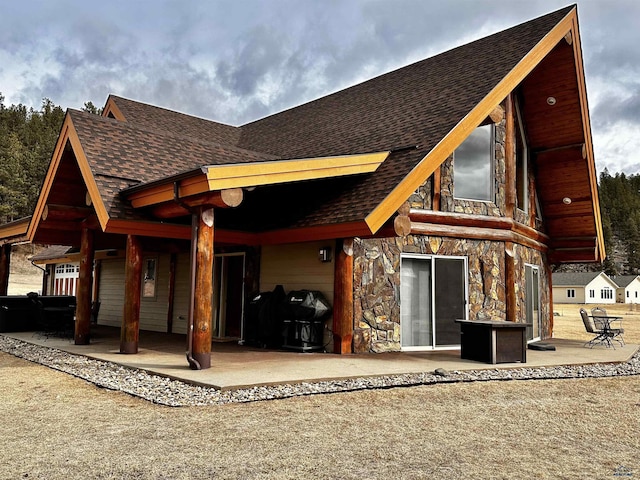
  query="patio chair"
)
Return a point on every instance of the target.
[
  {"x": 601, "y": 317},
  {"x": 597, "y": 330}
]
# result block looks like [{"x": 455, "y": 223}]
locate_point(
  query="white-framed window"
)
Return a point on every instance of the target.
[
  {"x": 571, "y": 293},
  {"x": 636, "y": 294},
  {"x": 627, "y": 294},
  {"x": 473, "y": 166},
  {"x": 606, "y": 293},
  {"x": 592, "y": 293}
]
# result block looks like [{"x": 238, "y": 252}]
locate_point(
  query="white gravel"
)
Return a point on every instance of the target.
[{"x": 175, "y": 393}]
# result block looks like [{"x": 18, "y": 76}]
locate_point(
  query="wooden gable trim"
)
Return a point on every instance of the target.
[
  {"x": 112, "y": 108},
  {"x": 475, "y": 117},
  {"x": 241, "y": 175},
  {"x": 15, "y": 231},
  {"x": 280, "y": 171},
  {"x": 68, "y": 135},
  {"x": 586, "y": 125},
  {"x": 148, "y": 229}
]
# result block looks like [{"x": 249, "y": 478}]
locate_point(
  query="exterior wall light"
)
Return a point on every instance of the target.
[{"x": 324, "y": 254}]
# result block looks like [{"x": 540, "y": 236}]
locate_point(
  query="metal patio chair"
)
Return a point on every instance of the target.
[{"x": 597, "y": 330}]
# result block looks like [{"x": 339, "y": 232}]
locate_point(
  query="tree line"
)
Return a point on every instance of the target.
[
  {"x": 27, "y": 139},
  {"x": 28, "y": 136}
]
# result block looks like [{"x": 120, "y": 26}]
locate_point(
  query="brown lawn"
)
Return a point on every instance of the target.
[{"x": 54, "y": 426}]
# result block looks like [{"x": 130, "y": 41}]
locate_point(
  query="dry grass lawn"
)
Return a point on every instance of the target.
[{"x": 55, "y": 426}]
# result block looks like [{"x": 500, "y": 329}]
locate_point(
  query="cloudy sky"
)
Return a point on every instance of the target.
[{"x": 238, "y": 60}]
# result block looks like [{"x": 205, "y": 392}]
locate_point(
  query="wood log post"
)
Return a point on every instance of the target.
[
  {"x": 437, "y": 188},
  {"x": 203, "y": 293},
  {"x": 85, "y": 284},
  {"x": 130, "y": 329},
  {"x": 550, "y": 285},
  {"x": 343, "y": 298},
  {"x": 510, "y": 158},
  {"x": 511, "y": 299},
  {"x": 5, "y": 268}
]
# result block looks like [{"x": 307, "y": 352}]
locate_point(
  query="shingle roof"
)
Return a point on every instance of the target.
[
  {"x": 169, "y": 121},
  {"x": 416, "y": 105},
  {"x": 624, "y": 280},
  {"x": 123, "y": 154},
  {"x": 573, "y": 278},
  {"x": 52, "y": 252}
]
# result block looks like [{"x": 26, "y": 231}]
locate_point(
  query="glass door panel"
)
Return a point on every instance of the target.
[
  {"x": 415, "y": 310},
  {"x": 450, "y": 299},
  {"x": 532, "y": 300}
]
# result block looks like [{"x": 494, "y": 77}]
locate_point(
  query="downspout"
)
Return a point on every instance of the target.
[{"x": 193, "y": 363}]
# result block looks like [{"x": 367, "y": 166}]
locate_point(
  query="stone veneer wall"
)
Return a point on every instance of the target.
[
  {"x": 377, "y": 261},
  {"x": 377, "y": 284}
]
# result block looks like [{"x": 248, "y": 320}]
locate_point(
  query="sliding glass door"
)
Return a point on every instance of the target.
[
  {"x": 433, "y": 294},
  {"x": 532, "y": 300}
]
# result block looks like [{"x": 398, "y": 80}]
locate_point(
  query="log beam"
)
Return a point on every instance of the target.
[
  {"x": 203, "y": 292},
  {"x": 402, "y": 225},
  {"x": 510, "y": 158},
  {"x": 5, "y": 267},
  {"x": 479, "y": 221},
  {"x": 85, "y": 285},
  {"x": 65, "y": 212},
  {"x": 228, "y": 198},
  {"x": 475, "y": 233},
  {"x": 343, "y": 298},
  {"x": 497, "y": 114},
  {"x": 130, "y": 329}
]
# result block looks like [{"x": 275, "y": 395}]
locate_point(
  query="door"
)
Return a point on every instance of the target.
[
  {"x": 450, "y": 300},
  {"x": 228, "y": 296},
  {"x": 532, "y": 300},
  {"x": 433, "y": 294}
]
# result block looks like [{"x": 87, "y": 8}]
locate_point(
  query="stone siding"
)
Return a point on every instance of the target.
[{"x": 377, "y": 284}]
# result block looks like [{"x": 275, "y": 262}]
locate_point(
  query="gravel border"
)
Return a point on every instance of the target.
[{"x": 175, "y": 393}]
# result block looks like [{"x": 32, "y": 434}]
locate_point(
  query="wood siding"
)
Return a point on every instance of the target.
[
  {"x": 181, "y": 299},
  {"x": 153, "y": 311},
  {"x": 296, "y": 267}
]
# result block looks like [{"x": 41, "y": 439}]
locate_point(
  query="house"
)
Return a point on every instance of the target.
[
  {"x": 61, "y": 270},
  {"x": 628, "y": 288},
  {"x": 443, "y": 190},
  {"x": 583, "y": 287}
]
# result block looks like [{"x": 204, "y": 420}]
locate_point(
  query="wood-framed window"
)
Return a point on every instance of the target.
[{"x": 473, "y": 166}]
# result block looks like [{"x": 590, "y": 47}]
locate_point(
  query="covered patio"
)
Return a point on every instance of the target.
[{"x": 234, "y": 366}]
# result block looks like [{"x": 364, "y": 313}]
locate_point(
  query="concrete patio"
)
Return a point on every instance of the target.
[{"x": 235, "y": 366}]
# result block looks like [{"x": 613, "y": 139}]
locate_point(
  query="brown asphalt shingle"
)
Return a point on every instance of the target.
[{"x": 415, "y": 105}]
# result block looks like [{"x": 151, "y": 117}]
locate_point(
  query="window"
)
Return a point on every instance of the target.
[
  {"x": 571, "y": 293},
  {"x": 627, "y": 294},
  {"x": 473, "y": 166},
  {"x": 606, "y": 294},
  {"x": 522, "y": 160},
  {"x": 592, "y": 294},
  {"x": 636, "y": 294}
]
